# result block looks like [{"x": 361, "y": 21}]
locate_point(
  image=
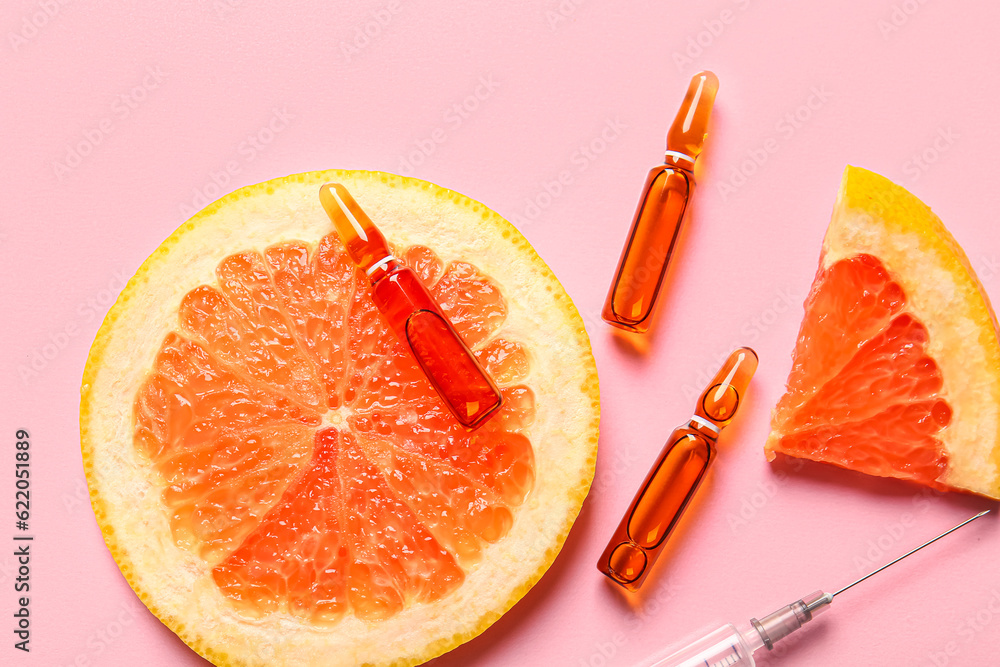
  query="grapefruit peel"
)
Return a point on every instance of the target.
[
  {"x": 175, "y": 584},
  {"x": 878, "y": 218}
]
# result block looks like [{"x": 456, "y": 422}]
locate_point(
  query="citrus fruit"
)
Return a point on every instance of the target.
[
  {"x": 272, "y": 472},
  {"x": 896, "y": 371}
]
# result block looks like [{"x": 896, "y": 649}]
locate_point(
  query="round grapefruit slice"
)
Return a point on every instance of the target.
[
  {"x": 896, "y": 371},
  {"x": 272, "y": 472}
]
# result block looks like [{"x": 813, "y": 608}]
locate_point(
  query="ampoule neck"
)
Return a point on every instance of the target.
[
  {"x": 686, "y": 136},
  {"x": 679, "y": 160},
  {"x": 363, "y": 241},
  {"x": 704, "y": 427},
  {"x": 382, "y": 268}
]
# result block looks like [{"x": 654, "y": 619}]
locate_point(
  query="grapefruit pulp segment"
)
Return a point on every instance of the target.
[
  {"x": 340, "y": 539},
  {"x": 318, "y": 321},
  {"x": 851, "y": 301},
  {"x": 896, "y": 370},
  {"x": 362, "y": 491},
  {"x": 271, "y": 471}
]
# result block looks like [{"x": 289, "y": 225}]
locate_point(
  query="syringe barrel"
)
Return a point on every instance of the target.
[{"x": 724, "y": 647}]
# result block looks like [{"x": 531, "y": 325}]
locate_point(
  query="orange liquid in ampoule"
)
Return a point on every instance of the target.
[
  {"x": 660, "y": 212},
  {"x": 452, "y": 369},
  {"x": 672, "y": 484},
  {"x": 648, "y": 249},
  {"x": 674, "y": 479},
  {"x": 412, "y": 313}
]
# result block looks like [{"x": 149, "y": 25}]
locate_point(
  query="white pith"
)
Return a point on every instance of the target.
[
  {"x": 875, "y": 217},
  {"x": 178, "y": 583}
]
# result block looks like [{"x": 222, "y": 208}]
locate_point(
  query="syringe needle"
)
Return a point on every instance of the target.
[
  {"x": 734, "y": 647},
  {"x": 912, "y": 551},
  {"x": 790, "y": 618}
]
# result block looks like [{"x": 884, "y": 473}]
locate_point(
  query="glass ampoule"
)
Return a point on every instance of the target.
[
  {"x": 413, "y": 314},
  {"x": 658, "y": 217},
  {"x": 675, "y": 477}
]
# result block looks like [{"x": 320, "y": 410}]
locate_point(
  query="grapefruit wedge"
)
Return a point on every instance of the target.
[
  {"x": 274, "y": 475},
  {"x": 896, "y": 371}
]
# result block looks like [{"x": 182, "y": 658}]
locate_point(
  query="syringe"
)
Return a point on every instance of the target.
[{"x": 730, "y": 646}]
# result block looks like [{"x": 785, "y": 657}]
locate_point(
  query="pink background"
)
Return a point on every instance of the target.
[{"x": 165, "y": 100}]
